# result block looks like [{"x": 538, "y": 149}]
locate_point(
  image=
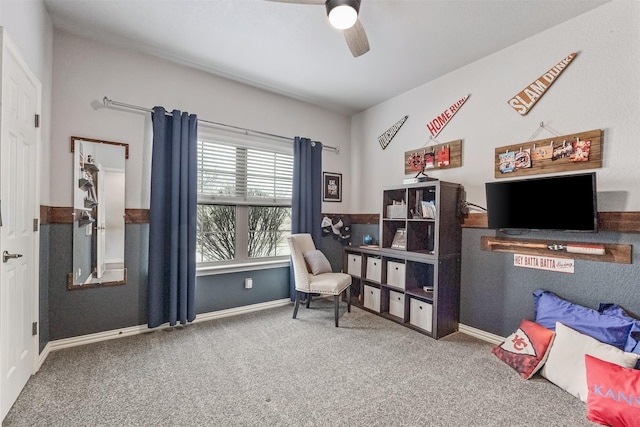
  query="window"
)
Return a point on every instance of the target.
[{"x": 244, "y": 201}]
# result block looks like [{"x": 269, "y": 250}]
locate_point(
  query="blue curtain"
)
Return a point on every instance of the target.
[
  {"x": 172, "y": 219},
  {"x": 306, "y": 202}
]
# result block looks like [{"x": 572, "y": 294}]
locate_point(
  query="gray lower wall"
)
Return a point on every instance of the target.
[
  {"x": 43, "y": 277},
  {"x": 223, "y": 291},
  {"x": 90, "y": 310},
  {"x": 69, "y": 313},
  {"x": 495, "y": 295}
]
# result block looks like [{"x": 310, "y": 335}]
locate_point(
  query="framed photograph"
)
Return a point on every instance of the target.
[{"x": 332, "y": 187}]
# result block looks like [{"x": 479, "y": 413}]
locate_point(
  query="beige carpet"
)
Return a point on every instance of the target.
[{"x": 267, "y": 369}]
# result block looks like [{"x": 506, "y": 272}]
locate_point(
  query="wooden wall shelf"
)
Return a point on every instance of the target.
[{"x": 617, "y": 253}]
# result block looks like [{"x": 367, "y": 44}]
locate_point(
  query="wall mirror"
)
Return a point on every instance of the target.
[{"x": 98, "y": 213}]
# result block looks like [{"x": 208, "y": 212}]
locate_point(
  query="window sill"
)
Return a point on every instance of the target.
[{"x": 247, "y": 266}]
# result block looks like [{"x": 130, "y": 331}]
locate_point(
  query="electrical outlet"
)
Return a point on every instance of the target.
[{"x": 248, "y": 283}]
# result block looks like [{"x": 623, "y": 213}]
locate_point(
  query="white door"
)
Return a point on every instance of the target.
[{"x": 19, "y": 165}]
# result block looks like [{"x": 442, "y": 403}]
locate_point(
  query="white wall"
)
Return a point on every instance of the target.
[
  {"x": 600, "y": 89},
  {"x": 29, "y": 26},
  {"x": 85, "y": 71}
]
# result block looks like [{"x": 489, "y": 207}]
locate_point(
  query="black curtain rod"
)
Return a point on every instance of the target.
[{"x": 110, "y": 103}]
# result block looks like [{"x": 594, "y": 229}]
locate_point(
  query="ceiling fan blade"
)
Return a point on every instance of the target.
[
  {"x": 357, "y": 39},
  {"x": 300, "y": 1}
]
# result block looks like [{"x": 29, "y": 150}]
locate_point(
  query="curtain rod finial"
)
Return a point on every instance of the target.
[{"x": 96, "y": 105}]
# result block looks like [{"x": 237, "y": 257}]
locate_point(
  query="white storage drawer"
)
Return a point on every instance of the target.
[
  {"x": 395, "y": 274},
  {"x": 372, "y": 298},
  {"x": 396, "y": 304},
  {"x": 420, "y": 314},
  {"x": 354, "y": 265},
  {"x": 374, "y": 269}
]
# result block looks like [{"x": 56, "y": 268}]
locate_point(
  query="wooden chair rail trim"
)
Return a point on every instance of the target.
[
  {"x": 622, "y": 222},
  {"x": 64, "y": 215}
]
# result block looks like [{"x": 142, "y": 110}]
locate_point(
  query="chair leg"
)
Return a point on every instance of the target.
[
  {"x": 349, "y": 299},
  {"x": 336, "y": 300},
  {"x": 295, "y": 308},
  {"x": 308, "y": 300}
]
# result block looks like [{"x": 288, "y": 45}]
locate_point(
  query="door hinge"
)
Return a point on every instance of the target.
[
  {"x": 37, "y": 120},
  {"x": 35, "y": 224},
  {"x": 34, "y": 328}
]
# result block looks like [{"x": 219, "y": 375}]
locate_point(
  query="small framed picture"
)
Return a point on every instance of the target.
[{"x": 332, "y": 187}]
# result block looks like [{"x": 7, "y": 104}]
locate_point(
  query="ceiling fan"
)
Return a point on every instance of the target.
[{"x": 343, "y": 15}]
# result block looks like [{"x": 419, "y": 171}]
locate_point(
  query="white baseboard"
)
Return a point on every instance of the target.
[
  {"x": 139, "y": 329},
  {"x": 240, "y": 310},
  {"x": 480, "y": 334},
  {"x": 42, "y": 357}
]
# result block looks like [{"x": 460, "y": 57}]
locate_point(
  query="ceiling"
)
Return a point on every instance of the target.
[{"x": 291, "y": 49}]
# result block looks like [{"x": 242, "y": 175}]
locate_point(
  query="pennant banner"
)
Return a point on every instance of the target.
[
  {"x": 386, "y": 137},
  {"x": 436, "y": 125},
  {"x": 525, "y": 100}
]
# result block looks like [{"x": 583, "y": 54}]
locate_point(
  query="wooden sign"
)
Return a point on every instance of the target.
[
  {"x": 433, "y": 157},
  {"x": 386, "y": 137},
  {"x": 527, "y": 98},
  {"x": 562, "y": 265},
  {"x": 558, "y": 154},
  {"x": 437, "y": 124}
]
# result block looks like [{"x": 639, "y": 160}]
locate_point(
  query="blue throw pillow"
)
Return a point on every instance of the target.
[
  {"x": 550, "y": 308},
  {"x": 633, "y": 341}
]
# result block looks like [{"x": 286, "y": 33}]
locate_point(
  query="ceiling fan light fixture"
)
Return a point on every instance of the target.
[{"x": 342, "y": 14}]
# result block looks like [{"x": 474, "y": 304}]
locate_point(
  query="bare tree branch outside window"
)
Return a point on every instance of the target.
[
  {"x": 216, "y": 233},
  {"x": 266, "y": 233}
]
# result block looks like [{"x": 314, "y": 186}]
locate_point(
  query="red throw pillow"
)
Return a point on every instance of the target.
[
  {"x": 614, "y": 393},
  {"x": 526, "y": 349}
]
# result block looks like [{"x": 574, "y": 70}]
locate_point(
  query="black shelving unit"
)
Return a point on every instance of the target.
[{"x": 418, "y": 285}]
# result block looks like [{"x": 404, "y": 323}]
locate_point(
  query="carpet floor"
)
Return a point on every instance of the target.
[{"x": 267, "y": 369}]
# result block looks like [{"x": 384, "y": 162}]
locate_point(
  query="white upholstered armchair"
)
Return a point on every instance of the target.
[{"x": 313, "y": 274}]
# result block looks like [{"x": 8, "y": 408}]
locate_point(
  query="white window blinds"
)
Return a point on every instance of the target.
[{"x": 235, "y": 174}]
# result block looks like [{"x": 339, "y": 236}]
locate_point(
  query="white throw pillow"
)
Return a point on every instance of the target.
[
  {"x": 317, "y": 262},
  {"x": 565, "y": 365}
]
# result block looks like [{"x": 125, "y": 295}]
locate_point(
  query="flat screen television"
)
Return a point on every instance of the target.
[{"x": 563, "y": 203}]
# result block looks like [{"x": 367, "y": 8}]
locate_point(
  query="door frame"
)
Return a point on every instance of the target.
[{"x": 8, "y": 47}]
